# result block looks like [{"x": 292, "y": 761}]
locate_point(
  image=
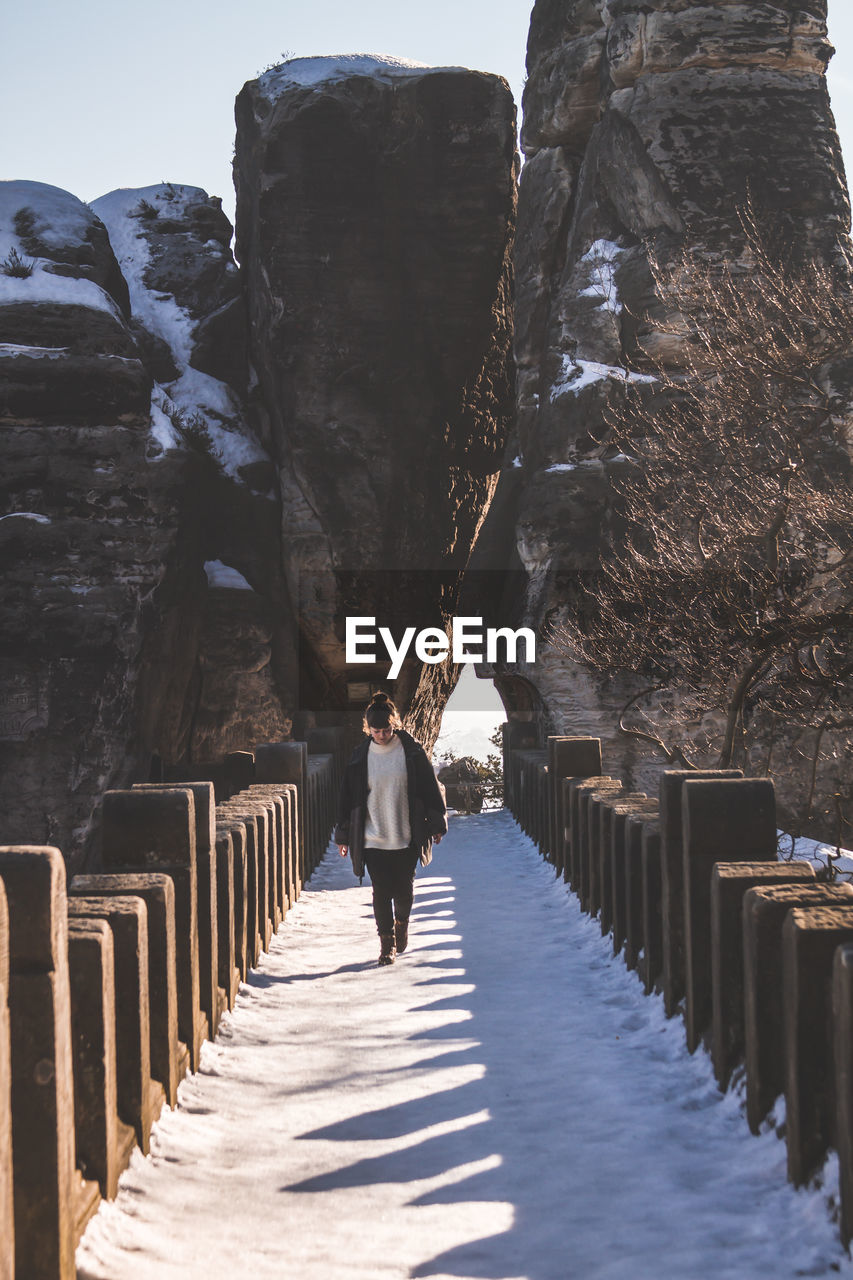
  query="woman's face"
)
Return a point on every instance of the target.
[{"x": 382, "y": 736}]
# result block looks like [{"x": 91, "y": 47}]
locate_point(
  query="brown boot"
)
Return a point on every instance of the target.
[
  {"x": 388, "y": 951},
  {"x": 401, "y": 934}
]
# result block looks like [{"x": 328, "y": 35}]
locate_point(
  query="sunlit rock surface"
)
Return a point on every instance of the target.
[{"x": 643, "y": 123}]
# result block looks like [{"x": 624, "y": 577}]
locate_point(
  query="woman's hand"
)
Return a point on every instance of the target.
[
  {"x": 342, "y": 849},
  {"x": 437, "y": 839}
]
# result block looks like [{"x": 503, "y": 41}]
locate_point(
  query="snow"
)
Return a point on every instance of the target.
[
  {"x": 603, "y": 258},
  {"x": 222, "y": 575},
  {"x": 577, "y": 374},
  {"x": 61, "y": 219},
  {"x": 161, "y": 424},
  {"x": 192, "y": 392},
  {"x": 503, "y": 1103},
  {"x": 158, "y": 312},
  {"x": 820, "y": 854},
  {"x": 44, "y": 286},
  {"x": 305, "y": 72},
  {"x": 33, "y": 353},
  {"x": 26, "y": 515},
  {"x": 197, "y": 392},
  {"x": 517, "y": 461},
  {"x": 593, "y": 463}
]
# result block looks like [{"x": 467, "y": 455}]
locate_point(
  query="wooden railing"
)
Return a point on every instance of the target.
[
  {"x": 110, "y": 984},
  {"x": 756, "y": 954}
]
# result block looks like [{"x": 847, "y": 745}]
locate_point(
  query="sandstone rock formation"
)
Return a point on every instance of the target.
[
  {"x": 643, "y": 123},
  {"x": 157, "y": 558},
  {"x": 113, "y": 499},
  {"x": 83, "y": 512},
  {"x": 374, "y": 220}
]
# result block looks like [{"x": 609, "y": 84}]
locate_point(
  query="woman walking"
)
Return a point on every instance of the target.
[{"x": 390, "y": 813}]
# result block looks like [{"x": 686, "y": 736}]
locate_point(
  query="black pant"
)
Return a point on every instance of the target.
[{"x": 392, "y": 874}]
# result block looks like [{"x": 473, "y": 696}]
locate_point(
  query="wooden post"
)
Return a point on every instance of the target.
[
  {"x": 104, "y": 1143},
  {"x": 723, "y": 820},
  {"x": 140, "y": 1099},
  {"x": 236, "y": 832},
  {"x": 590, "y": 840},
  {"x": 810, "y": 936},
  {"x": 169, "y": 1057},
  {"x": 764, "y": 913},
  {"x": 652, "y": 970},
  {"x": 729, "y": 884},
  {"x": 842, "y": 1016},
  {"x": 155, "y": 830},
  {"x": 568, "y": 757},
  {"x": 45, "y": 1182},
  {"x": 7, "y": 1205},
  {"x": 288, "y": 762},
  {"x": 212, "y": 997},
  {"x": 672, "y": 879},
  {"x": 257, "y": 817},
  {"x": 628, "y": 883}
]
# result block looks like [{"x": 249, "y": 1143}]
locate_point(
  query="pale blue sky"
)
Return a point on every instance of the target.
[{"x": 97, "y": 94}]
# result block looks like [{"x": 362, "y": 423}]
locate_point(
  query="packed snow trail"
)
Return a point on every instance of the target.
[{"x": 501, "y": 1103}]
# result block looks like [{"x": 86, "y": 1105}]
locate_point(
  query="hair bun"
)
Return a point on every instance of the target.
[{"x": 380, "y": 713}]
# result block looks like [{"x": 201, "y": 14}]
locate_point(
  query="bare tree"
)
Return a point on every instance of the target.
[{"x": 729, "y": 587}]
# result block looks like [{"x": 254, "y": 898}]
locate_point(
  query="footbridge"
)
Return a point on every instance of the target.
[{"x": 204, "y": 1073}]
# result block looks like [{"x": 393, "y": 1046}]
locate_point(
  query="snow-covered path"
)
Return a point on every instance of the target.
[{"x": 503, "y": 1102}]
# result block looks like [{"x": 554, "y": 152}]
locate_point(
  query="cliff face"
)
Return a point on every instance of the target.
[
  {"x": 374, "y": 222},
  {"x": 113, "y": 497},
  {"x": 86, "y": 523},
  {"x": 644, "y": 124},
  {"x": 216, "y": 666}
]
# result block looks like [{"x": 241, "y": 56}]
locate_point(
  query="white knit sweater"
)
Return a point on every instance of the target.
[{"x": 387, "y": 825}]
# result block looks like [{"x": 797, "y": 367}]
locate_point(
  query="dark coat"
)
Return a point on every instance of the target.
[{"x": 427, "y": 810}]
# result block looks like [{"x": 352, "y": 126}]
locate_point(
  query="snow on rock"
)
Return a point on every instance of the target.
[
  {"x": 222, "y": 575},
  {"x": 64, "y": 242},
  {"x": 577, "y": 374},
  {"x": 32, "y": 353},
  {"x": 43, "y": 286},
  {"x": 61, "y": 219},
  {"x": 121, "y": 213},
  {"x": 504, "y": 1101},
  {"x": 305, "y": 72},
  {"x": 219, "y": 406},
  {"x": 137, "y": 219},
  {"x": 162, "y": 427},
  {"x": 602, "y": 259},
  {"x": 26, "y": 515}
]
